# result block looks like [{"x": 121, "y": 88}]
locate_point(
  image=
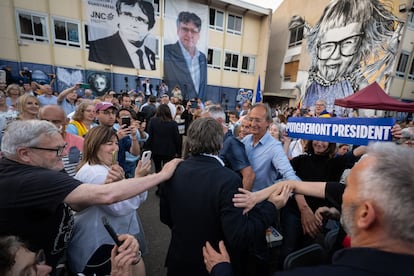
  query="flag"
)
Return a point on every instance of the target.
[{"x": 258, "y": 97}]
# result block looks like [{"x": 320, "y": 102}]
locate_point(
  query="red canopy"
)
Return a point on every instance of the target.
[{"x": 373, "y": 97}]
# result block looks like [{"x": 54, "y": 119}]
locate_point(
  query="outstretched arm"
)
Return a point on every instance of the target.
[
  {"x": 86, "y": 195},
  {"x": 247, "y": 200}
]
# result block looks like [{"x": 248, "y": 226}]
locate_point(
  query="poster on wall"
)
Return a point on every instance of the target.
[
  {"x": 68, "y": 77},
  {"x": 352, "y": 45},
  {"x": 120, "y": 33},
  {"x": 185, "y": 47},
  {"x": 99, "y": 82}
]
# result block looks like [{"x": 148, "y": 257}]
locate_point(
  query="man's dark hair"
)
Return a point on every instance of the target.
[
  {"x": 152, "y": 99},
  {"x": 146, "y": 7},
  {"x": 123, "y": 95},
  {"x": 205, "y": 135},
  {"x": 186, "y": 17},
  {"x": 132, "y": 112}
]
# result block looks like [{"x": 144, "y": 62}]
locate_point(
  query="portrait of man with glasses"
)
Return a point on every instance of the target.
[
  {"x": 127, "y": 46},
  {"x": 351, "y": 42},
  {"x": 184, "y": 64}
]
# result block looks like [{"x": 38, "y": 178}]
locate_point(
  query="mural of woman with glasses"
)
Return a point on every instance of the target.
[
  {"x": 351, "y": 42},
  {"x": 127, "y": 46}
]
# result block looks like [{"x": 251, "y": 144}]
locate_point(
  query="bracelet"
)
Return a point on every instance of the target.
[{"x": 139, "y": 257}]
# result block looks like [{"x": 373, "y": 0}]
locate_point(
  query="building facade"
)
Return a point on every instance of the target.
[{"x": 42, "y": 38}]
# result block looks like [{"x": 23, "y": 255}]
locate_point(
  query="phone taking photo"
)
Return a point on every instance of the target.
[
  {"x": 194, "y": 104},
  {"x": 146, "y": 156},
  {"x": 126, "y": 121},
  {"x": 84, "y": 86},
  {"x": 111, "y": 231}
]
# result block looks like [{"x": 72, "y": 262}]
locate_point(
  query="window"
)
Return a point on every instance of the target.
[
  {"x": 214, "y": 58},
  {"x": 410, "y": 20},
  {"x": 234, "y": 24},
  {"x": 66, "y": 32},
  {"x": 291, "y": 71},
  {"x": 296, "y": 36},
  {"x": 402, "y": 65},
  {"x": 248, "y": 65},
  {"x": 216, "y": 19},
  {"x": 411, "y": 72},
  {"x": 231, "y": 62},
  {"x": 32, "y": 26},
  {"x": 86, "y": 36}
]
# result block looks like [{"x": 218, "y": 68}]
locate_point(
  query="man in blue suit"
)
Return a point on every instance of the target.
[
  {"x": 126, "y": 47},
  {"x": 184, "y": 64}
]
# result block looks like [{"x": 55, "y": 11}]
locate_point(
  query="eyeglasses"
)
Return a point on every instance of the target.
[
  {"x": 256, "y": 120},
  {"x": 188, "y": 30},
  {"x": 59, "y": 151},
  {"x": 107, "y": 112},
  {"x": 347, "y": 47},
  {"x": 136, "y": 18}
]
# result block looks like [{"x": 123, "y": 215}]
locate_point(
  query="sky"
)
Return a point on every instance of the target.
[{"x": 273, "y": 4}]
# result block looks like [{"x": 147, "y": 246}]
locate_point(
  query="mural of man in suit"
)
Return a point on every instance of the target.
[
  {"x": 184, "y": 64},
  {"x": 126, "y": 47}
]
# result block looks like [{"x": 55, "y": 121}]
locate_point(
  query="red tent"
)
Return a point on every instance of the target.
[{"x": 373, "y": 97}]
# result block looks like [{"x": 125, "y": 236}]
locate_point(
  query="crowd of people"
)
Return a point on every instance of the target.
[{"x": 224, "y": 178}]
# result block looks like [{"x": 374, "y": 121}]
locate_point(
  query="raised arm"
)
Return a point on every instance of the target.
[{"x": 64, "y": 93}]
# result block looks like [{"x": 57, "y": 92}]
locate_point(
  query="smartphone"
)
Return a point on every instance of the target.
[
  {"x": 193, "y": 104},
  {"x": 111, "y": 231},
  {"x": 126, "y": 121},
  {"x": 146, "y": 156},
  {"x": 114, "y": 157},
  {"x": 84, "y": 86}
]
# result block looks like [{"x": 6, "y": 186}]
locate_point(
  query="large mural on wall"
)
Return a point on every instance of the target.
[
  {"x": 185, "y": 45},
  {"x": 120, "y": 33},
  {"x": 353, "y": 44},
  {"x": 67, "y": 77}
]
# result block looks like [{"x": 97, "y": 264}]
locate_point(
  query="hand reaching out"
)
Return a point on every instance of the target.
[
  {"x": 212, "y": 257},
  {"x": 245, "y": 199},
  {"x": 279, "y": 198}
]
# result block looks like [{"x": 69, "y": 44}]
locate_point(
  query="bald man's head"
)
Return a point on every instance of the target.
[{"x": 54, "y": 114}]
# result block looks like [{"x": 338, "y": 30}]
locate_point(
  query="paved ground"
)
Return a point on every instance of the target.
[{"x": 157, "y": 235}]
